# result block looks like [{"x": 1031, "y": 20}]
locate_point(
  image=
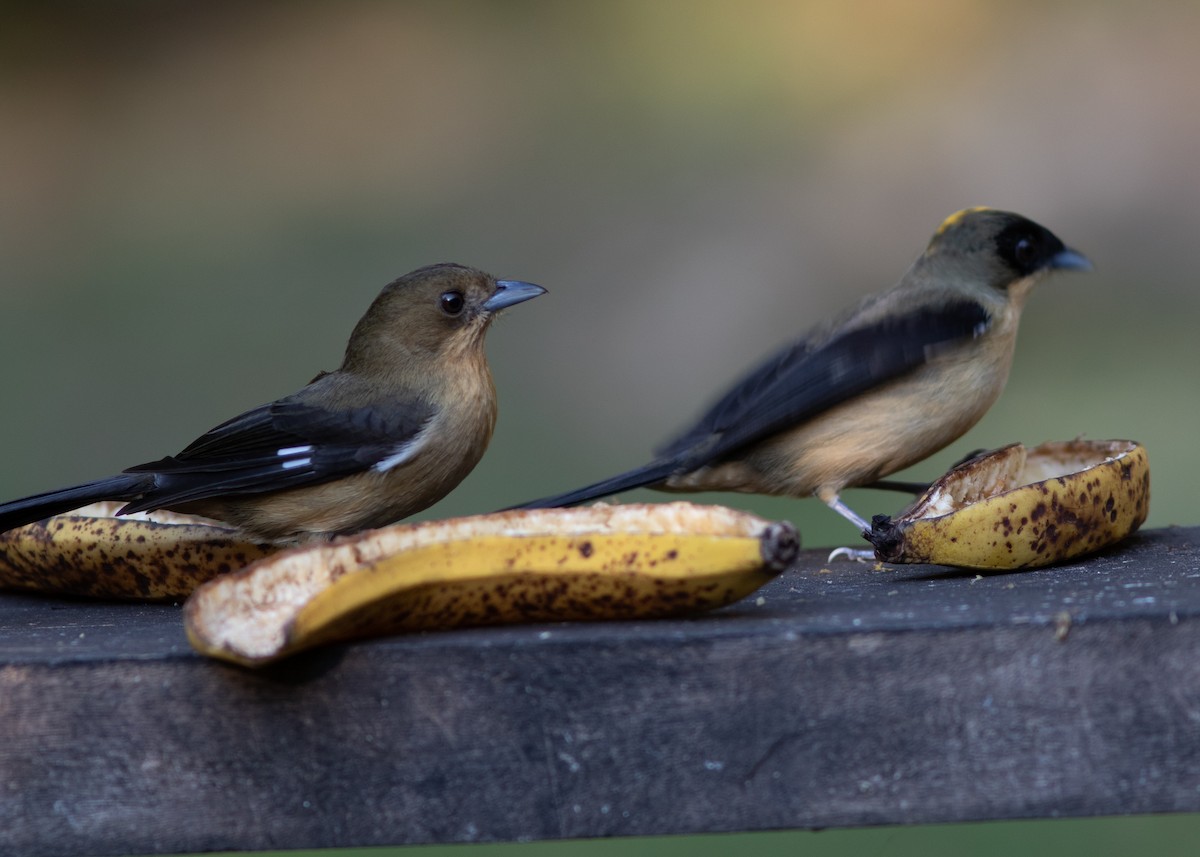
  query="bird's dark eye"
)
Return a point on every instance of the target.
[{"x": 452, "y": 303}]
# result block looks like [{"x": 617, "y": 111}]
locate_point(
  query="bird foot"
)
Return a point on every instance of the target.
[{"x": 853, "y": 554}]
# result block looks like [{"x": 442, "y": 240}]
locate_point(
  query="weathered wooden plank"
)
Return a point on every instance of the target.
[{"x": 847, "y": 698}]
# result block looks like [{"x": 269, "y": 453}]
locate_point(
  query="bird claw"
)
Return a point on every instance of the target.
[{"x": 853, "y": 554}]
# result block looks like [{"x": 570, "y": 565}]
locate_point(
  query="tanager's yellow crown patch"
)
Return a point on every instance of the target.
[{"x": 954, "y": 219}]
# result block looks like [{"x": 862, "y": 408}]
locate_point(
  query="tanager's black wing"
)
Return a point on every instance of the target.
[
  {"x": 801, "y": 381},
  {"x": 286, "y": 444}
]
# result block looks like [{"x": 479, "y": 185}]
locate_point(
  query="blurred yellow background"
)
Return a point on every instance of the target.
[{"x": 200, "y": 199}]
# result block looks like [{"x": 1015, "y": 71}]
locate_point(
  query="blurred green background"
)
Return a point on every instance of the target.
[{"x": 200, "y": 199}]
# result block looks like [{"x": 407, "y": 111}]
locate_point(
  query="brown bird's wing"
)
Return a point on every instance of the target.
[
  {"x": 802, "y": 380},
  {"x": 286, "y": 444}
]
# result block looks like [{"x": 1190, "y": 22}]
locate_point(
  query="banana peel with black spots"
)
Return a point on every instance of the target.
[{"x": 1019, "y": 507}]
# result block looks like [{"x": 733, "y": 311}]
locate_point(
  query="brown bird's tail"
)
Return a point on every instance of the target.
[
  {"x": 124, "y": 486},
  {"x": 650, "y": 474}
]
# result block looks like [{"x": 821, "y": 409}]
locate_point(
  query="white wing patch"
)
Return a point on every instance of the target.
[
  {"x": 404, "y": 451},
  {"x": 293, "y": 450},
  {"x": 290, "y": 454}
]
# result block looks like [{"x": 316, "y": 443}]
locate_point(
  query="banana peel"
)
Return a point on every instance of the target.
[
  {"x": 1019, "y": 507},
  {"x": 592, "y": 563},
  {"x": 159, "y": 556}
]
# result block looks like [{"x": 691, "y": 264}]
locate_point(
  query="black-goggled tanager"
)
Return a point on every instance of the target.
[{"x": 874, "y": 390}]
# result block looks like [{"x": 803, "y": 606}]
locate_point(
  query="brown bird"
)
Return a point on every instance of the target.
[
  {"x": 868, "y": 393},
  {"x": 406, "y": 417}
]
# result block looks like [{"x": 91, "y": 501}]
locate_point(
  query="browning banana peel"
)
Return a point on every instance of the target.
[
  {"x": 1023, "y": 508},
  {"x": 90, "y": 553},
  {"x": 599, "y": 562}
]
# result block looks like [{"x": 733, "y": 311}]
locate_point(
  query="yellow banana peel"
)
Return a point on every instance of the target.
[
  {"x": 160, "y": 556},
  {"x": 1019, "y": 507},
  {"x": 598, "y": 562}
]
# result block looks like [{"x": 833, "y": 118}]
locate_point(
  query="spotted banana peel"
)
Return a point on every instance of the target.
[
  {"x": 89, "y": 553},
  {"x": 599, "y": 562},
  {"x": 1019, "y": 507}
]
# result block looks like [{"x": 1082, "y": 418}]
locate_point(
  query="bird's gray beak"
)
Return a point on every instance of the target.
[
  {"x": 511, "y": 292},
  {"x": 1070, "y": 260}
]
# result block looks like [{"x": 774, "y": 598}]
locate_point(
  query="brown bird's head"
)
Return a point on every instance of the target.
[
  {"x": 437, "y": 311},
  {"x": 997, "y": 249}
]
